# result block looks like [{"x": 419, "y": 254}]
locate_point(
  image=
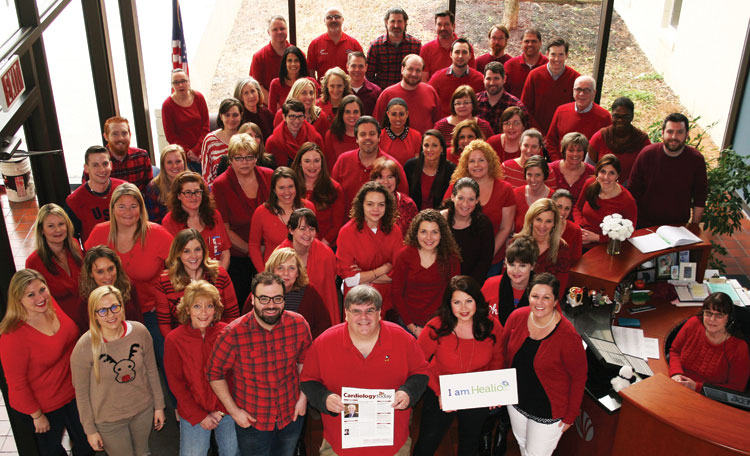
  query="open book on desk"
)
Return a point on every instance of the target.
[{"x": 665, "y": 237}]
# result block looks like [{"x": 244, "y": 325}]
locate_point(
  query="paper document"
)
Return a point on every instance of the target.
[
  {"x": 367, "y": 419},
  {"x": 630, "y": 341},
  {"x": 666, "y": 237},
  {"x": 479, "y": 389},
  {"x": 651, "y": 346}
]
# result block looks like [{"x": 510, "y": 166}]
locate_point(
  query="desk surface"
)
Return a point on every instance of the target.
[{"x": 690, "y": 413}]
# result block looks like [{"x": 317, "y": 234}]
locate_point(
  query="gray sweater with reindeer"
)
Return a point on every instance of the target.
[{"x": 128, "y": 380}]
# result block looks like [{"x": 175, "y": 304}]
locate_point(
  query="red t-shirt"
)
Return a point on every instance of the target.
[
  {"x": 323, "y": 54},
  {"x": 423, "y": 103},
  {"x": 266, "y": 64}
]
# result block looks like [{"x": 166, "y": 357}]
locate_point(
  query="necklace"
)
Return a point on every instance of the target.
[{"x": 533, "y": 322}]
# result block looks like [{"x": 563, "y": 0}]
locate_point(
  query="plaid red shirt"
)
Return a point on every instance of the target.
[
  {"x": 264, "y": 366},
  {"x": 492, "y": 113},
  {"x": 384, "y": 59},
  {"x": 134, "y": 168}
]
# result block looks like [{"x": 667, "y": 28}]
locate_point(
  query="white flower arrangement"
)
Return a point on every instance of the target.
[{"x": 616, "y": 227}]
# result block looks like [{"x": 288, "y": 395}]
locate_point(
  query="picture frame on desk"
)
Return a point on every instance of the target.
[
  {"x": 664, "y": 265},
  {"x": 684, "y": 256},
  {"x": 675, "y": 272},
  {"x": 688, "y": 271},
  {"x": 647, "y": 275}
]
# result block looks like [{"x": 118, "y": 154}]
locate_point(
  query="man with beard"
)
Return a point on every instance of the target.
[
  {"x": 448, "y": 79},
  {"x": 352, "y": 169},
  {"x": 421, "y": 99},
  {"x": 128, "y": 163},
  {"x": 437, "y": 53},
  {"x": 365, "y": 352},
  {"x": 494, "y": 100},
  {"x": 331, "y": 48},
  {"x": 262, "y": 352},
  {"x": 498, "y": 37},
  {"x": 582, "y": 115},
  {"x": 387, "y": 50},
  {"x": 668, "y": 179},
  {"x": 518, "y": 68}
]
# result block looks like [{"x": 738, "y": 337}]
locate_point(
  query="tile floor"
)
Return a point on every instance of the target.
[{"x": 19, "y": 219}]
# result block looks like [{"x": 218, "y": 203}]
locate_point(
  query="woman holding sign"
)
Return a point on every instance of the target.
[
  {"x": 550, "y": 364},
  {"x": 463, "y": 338}
]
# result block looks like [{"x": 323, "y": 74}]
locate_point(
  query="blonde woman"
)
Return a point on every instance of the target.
[
  {"x": 306, "y": 91},
  {"x": 172, "y": 162},
  {"x": 336, "y": 85},
  {"x": 142, "y": 246},
  {"x": 117, "y": 386},
  {"x": 58, "y": 258},
  {"x": 186, "y": 353},
  {"x": 35, "y": 347}
]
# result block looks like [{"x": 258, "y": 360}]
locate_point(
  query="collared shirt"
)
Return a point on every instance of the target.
[
  {"x": 134, "y": 168},
  {"x": 263, "y": 365},
  {"x": 368, "y": 93},
  {"x": 384, "y": 59},
  {"x": 392, "y": 135},
  {"x": 492, "y": 113},
  {"x": 584, "y": 110},
  {"x": 554, "y": 76}
]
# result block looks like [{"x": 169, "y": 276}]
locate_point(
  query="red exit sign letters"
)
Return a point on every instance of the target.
[{"x": 12, "y": 83}]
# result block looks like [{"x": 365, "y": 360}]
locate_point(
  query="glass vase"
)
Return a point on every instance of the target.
[{"x": 614, "y": 246}]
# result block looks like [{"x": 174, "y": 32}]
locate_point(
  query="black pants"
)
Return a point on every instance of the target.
[
  {"x": 241, "y": 271},
  {"x": 435, "y": 423},
  {"x": 66, "y": 417}
]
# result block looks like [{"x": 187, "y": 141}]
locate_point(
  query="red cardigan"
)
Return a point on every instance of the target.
[
  {"x": 458, "y": 356},
  {"x": 167, "y": 299},
  {"x": 186, "y": 355},
  {"x": 693, "y": 355},
  {"x": 589, "y": 218},
  {"x": 37, "y": 366},
  {"x": 416, "y": 291},
  {"x": 321, "y": 270},
  {"x": 63, "y": 287},
  {"x": 269, "y": 231},
  {"x": 560, "y": 362}
]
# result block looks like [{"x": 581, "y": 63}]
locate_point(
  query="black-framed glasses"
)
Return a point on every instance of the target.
[
  {"x": 709, "y": 314},
  {"x": 331, "y": 17},
  {"x": 180, "y": 82},
  {"x": 115, "y": 308},
  {"x": 278, "y": 299},
  {"x": 189, "y": 194},
  {"x": 245, "y": 158},
  {"x": 295, "y": 116}
]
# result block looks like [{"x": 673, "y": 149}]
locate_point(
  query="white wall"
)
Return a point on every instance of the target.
[{"x": 700, "y": 58}]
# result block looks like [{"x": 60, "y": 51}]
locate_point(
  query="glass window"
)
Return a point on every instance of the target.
[{"x": 8, "y": 20}]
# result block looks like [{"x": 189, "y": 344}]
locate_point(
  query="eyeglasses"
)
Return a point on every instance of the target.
[
  {"x": 458, "y": 104},
  {"x": 278, "y": 299},
  {"x": 180, "y": 82},
  {"x": 514, "y": 123},
  {"x": 358, "y": 313},
  {"x": 581, "y": 90},
  {"x": 245, "y": 158},
  {"x": 715, "y": 315},
  {"x": 295, "y": 116},
  {"x": 189, "y": 194},
  {"x": 332, "y": 17},
  {"x": 105, "y": 310}
]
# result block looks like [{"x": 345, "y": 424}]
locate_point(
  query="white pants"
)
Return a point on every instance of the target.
[{"x": 534, "y": 439}]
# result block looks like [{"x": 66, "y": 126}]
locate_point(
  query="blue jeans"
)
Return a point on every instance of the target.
[
  {"x": 279, "y": 442},
  {"x": 194, "y": 440}
]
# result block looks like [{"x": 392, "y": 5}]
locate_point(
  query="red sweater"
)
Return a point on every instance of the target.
[
  {"x": 514, "y": 175},
  {"x": 423, "y": 103},
  {"x": 560, "y": 362},
  {"x": 216, "y": 238},
  {"x": 89, "y": 209},
  {"x": 368, "y": 251},
  {"x": 63, "y": 287},
  {"x": 567, "y": 120},
  {"x": 335, "y": 147},
  {"x": 496, "y": 141},
  {"x": 577, "y": 186},
  {"x": 37, "y": 366},
  {"x": 516, "y": 72},
  {"x": 321, "y": 124},
  {"x": 235, "y": 207},
  {"x": 560, "y": 268},
  {"x": 402, "y": 149},
  {"x": 333, "y": 217},
  {"x": 283, "y": 146},
  {"x": 693, "y": 355},
  {"x": 572, "y": 235},
  {"x": 321, "y": 270},
  {"x": 143, "y": 263},
  {"x": 542, "y": 94},
  {"x": 416, "y": 291},
  {"x": 445, "y": 84},
  {"x": 446, "y": 128},
  {"x": 589, "y": 218},
  {"x": 167, "y": 299},
  {"x": 269, "y": 231},
  {"x": 484, "y": 59},
  {"x": 436, "y": 57},
  {"x": 453, "y": 355},
  {"x": 265, "y": 65},
  {"x": 598, "y": 148},
  {"x": 519, "y": 195},
  {"x": 186, "y": 126},
  {"x": 351, "y": 174},
  {"x": 186, "y": 355}
]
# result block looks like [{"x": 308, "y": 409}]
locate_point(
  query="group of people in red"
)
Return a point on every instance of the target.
[{"x": 444, "y": 197}]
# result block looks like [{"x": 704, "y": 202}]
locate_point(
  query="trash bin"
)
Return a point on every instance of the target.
[{"x": 17, "y": 178}]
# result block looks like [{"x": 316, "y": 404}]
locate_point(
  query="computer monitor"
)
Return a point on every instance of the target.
[{"x": 736, "y": 399}]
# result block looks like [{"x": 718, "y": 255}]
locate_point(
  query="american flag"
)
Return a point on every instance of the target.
[{"x": 179, "y": 50}]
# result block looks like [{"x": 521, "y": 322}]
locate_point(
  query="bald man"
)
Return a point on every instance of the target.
[{"x": 331, "y": 48}]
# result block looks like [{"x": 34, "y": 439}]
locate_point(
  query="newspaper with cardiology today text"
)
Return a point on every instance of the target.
[{"x": 368, "y": 416}]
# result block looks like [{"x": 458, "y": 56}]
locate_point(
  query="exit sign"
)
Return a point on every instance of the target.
[{"x": 12, "y": 82}]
